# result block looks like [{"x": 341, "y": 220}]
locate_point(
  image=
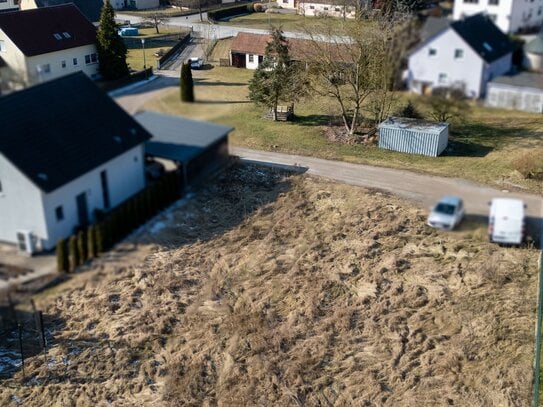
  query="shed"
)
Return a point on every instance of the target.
[
  {"x": 198, "y": 148},
  {"x": 413, "y": 136},
  {"x": 523, "y": 91}
]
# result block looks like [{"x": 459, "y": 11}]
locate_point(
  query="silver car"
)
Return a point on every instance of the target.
[{"x": 447, "y": 213}]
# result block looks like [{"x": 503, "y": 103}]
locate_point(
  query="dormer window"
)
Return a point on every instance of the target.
[
  {"x": 66, "y": 35},
  {"x": 57, "y": 36}
]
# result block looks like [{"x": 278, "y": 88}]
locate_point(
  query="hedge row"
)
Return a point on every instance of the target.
[
  {"x": 113, "y": 226},
  {"x": 222, "y": 13}
]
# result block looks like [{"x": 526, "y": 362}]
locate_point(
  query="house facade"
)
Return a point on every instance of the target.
[
  {"x": 465, "y": 54},
  {"x": 320, "y": 8},
  {"x": 11, "y": 5},
  {"x": 510, "y": 16},
  {"x": 75, "y": 154},
  {"x": 134, "y": 4},
  {"x": 523, "y": 91},
  {"x": 61, "y": 41}
]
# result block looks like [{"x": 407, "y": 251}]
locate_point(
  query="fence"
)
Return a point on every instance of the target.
[
  {"x": 537, "y": 361},
  {"x": 183, "y": 41},
  {"x": 22, "y": 335}
]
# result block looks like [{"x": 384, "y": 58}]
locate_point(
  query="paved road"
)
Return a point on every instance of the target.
[{"x": 421, "y": 188}]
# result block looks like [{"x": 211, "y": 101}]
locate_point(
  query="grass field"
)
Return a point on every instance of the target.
[
  {"x": 265, "y": 21},
  {"x": 270, "y": 288},
  {"x": 135, "y": 57},
  {"x": 482, "y": 147}
]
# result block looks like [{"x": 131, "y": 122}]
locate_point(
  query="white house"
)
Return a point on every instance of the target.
[
  {"x": 66, "y": 149},
  {"x": 523, "y": 91},
  {"x": 465, "y": 54},
  {"x": 333, "y": 8},
  {"x": 45, "y": 43},
  {"x": 134, "y": 4},
  {"x": 9, "y": 5},
  {"x": 510, "y": 16}
]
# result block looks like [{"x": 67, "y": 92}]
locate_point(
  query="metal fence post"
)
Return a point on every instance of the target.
[{"x": 537, "y": 361}]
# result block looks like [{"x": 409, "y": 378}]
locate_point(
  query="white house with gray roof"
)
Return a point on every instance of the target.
[
  {"x": 463, "y": 54},
  {"x": 523, "y": 91},
  {"x": 66, "y": 149}
]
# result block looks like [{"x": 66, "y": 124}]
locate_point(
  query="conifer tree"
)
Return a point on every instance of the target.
[
  {"x": 186, "y": 84},
  {"x": 111, "y": 48}
]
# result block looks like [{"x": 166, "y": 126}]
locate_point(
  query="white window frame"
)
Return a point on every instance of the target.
[{"x": 251, "y": 58}]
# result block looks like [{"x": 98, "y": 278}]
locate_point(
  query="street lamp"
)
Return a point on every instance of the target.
[{"x": 143, "y": 49}]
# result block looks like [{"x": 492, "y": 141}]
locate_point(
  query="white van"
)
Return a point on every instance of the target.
[{"x": 506, "y": 221}]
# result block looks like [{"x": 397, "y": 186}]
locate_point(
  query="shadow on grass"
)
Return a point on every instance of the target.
[
  {"x": 205, "y": 82},
  {"x": 314, "y": 120},
  {"x": 219, "y": 102},
  {"x": 466, "y": 149}
]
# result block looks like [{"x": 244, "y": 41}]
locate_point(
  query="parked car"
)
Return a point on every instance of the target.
[
  {"x": 196, "y": 63},
  {"x": 506, "y": 221},
  {"x": 447, "y": 213}
]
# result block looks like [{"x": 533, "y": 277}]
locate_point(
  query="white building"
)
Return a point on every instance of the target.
[
  {"x": 45, "y": 43},
  {"x": 510, "y": 16},
  {"x": 333, "y": 8},
  {"x": 523, "y": 91},
  {"x": 9, "y": 5},
  {"x": 66, "y": 149},
  {"x": 134, "y": 4},
  {"x": 464, "y": 54}
]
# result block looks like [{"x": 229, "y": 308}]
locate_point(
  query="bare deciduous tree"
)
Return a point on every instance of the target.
[
  {"x": 356, "y": 64},
  {"x": 155, "y": 18}
]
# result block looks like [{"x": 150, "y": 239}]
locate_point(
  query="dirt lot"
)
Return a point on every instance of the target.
[{"x": 277, "y": 289}]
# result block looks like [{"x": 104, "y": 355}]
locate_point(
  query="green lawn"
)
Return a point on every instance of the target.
[
  {"x": 288, "y": 22},
  {"x": 153, "y": 45},
  {"x": 484, "y": 145}
]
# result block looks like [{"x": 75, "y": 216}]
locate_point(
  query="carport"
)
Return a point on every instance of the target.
[{"x": 197, "y": 148}]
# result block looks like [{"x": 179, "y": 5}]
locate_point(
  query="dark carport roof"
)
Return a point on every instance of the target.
[
  {"x": 62, "y": 129},
  {"x": 178, "y": 138}
]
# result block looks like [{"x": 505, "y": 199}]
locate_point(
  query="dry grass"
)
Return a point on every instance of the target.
[{"x": 276, "y": 289}]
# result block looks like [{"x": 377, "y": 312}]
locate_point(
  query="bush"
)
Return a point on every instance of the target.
[
  {"x": 259, "y": 7},
  {"x": 91, "y": 242},
  {"x": 81, "y": 248},
  {"x": 530, "y": 163},
  {"x": 63, "y": 261},
  {"x": 410, "y": 111},
  {"x": 250, "y": 8},
  {"x": 73, "y": 253}
]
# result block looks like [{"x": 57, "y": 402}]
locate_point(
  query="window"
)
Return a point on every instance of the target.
[
  {"x": 0, "y": 187},
  {"x": 493, "y": 2},
  {"x": 66, "y": 35},
  {"x": 458, "y": 53},
  {"x": 285, "y": 1},
  {"x": 63, "y": 64},
  {"x": 59, "y": 213},
  {"x": 75, "y": 61},
  {"x": 337, "y": 9},
  {"x": 2, "y": 46},
  {"x": 57, "y": 36},
  {"x": 251, "y": 58},
  {"x": 45, "y": 68},
  {"x": 432, "y": 52},
  {"x": 472, "y": 1},
  {"x": 91, "y": 58},
  {"x": 312, "y": 7},
  {"x": 325, "y": 8},
  {"x": 442, "y": 78}
]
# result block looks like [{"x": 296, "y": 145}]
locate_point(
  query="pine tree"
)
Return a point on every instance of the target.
[
  {"x": 186, "y": 84},
  {"x": 111, "y": 48},
  {"x": 276, "y": 77},
  {"x": 63, "y": 262}
]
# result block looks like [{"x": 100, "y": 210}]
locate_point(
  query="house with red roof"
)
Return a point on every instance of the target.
[{"x": 45, "y": 43}]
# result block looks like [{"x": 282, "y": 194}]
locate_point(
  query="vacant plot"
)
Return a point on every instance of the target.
[
  {"x": 269, "y": 288},
  {"x": 482, "y": 148}
]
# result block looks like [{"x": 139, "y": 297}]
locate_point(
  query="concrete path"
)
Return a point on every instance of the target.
[{"x": 421, "y": 188}]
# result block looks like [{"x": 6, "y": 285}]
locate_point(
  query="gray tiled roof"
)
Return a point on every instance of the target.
[{"x": 59, "y": 130}]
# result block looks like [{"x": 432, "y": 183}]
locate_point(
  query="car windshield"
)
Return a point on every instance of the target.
[{"x": 444, "y": 208}]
